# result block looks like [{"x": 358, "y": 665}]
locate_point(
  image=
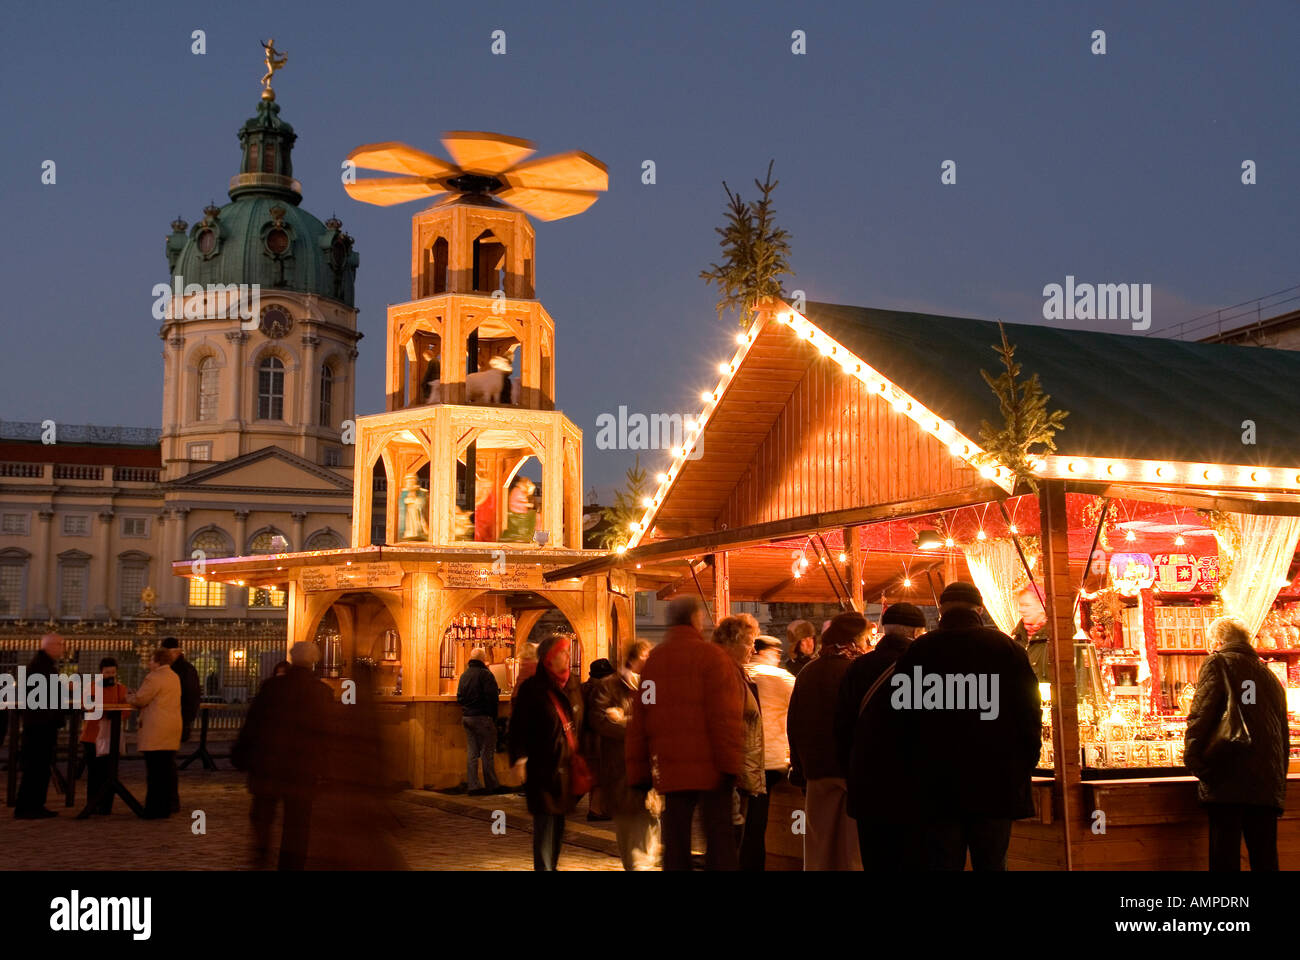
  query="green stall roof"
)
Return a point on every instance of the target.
[{"x": 1128, "y": 396}]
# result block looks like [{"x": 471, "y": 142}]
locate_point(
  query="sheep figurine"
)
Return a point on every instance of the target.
[{"x": 492, "y": 385}]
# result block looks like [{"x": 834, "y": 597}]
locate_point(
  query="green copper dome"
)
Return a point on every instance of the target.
[{"x": 262, "y": 235}]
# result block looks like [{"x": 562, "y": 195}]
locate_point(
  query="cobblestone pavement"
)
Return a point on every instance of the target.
[{"x": 432, "y": 833}]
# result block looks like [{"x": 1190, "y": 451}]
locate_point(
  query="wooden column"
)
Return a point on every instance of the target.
[
  {"x": 1060, "y": 591},
  {"x": 721, "y": 586},
  {"x": 853, "y": 550}
]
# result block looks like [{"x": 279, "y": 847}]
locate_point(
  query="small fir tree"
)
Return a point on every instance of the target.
[
  {"x": 628, "y": 508},
  {"x": 1027, "y": 428},
  {"x": 755, "y": 253}
]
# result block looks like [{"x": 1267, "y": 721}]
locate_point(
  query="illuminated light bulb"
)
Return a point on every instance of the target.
[
  {"x": 821, "y": 561},
  {"x": 634, "y": 525},
  {"x": 1179, "y": 541},
  {"x": 1013, "y": 528},
  {"x": 724, "y": 368},
  {"x": 843, "y": 558},
  {"x": 662, "y": 478},
  {"x": 981, "y": 535},
  {"x": 706, "y": 396},
  {"x": 679, "y": 451},
  {"x": 1259, "y": 476},
  {"x": 787, "y": 318},
  {"x": 986, "y": 472},
  {"x": 1160, "y": 472},
  {"x": 621, "y": 548},
  {"x": 1072, "y": 466},
  {"x": 797, "y": 574},
  {"x": 1115, "y": 470},
  {"x": 741, "y": 339},
  {"x": 949, "y": 542},
  {"x": 647, "y": 502},
  {"x": 693, "y": 426},
  {"x": 907, "y": 582},
  {"x": 638, "y": 566},
  {"x": 825, "y": 348},
  {"x": 1130, "y": 536},
  {"x": 1213, "y": 474},
  {"x": 955, "y": 449},
  {"x": 1039, "y": 465}
]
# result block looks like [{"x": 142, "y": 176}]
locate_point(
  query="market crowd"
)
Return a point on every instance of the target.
[
  {"x": 313, "y": 762},
  {"x": 897, "y": 773}
]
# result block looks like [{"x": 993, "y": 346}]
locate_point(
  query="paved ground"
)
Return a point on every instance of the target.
[{"x": 431, "y": 831}]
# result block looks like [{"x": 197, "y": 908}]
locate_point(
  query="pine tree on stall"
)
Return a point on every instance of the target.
[
  {"x": 1027, "y": 426},
  {"x": 628, "y": 509},
  {"x": 755, "y": 253}
]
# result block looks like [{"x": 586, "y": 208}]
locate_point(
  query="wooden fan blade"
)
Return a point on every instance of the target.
[
  {"x": 486, "y": 153},
  {"x": 548, "y": 204},
  {"x": 574, "y": 170},
  {"x": 386, "y": 191},
  {"x": 394, "y": 157}
]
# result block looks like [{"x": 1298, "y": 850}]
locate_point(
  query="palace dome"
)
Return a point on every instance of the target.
[{"x": 263, "y": 235}]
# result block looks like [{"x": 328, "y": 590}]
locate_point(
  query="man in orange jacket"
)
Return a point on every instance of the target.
[
  {"x": 686, "y": 736},
  {"x": 97, "y": 762}
]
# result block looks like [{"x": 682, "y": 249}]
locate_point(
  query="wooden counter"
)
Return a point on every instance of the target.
[{"x": 1153, "y": 823}]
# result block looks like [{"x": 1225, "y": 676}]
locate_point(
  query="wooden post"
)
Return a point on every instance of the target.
[
  {"x": 1059, "y": 596},
  {"x": 721, "y": 586},
  {"x": 853, "y": 549}
]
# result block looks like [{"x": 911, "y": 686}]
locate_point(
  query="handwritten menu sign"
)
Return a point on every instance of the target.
[
  {"x": 515, "y": 576},
  {"x": 358, "y": 576}
]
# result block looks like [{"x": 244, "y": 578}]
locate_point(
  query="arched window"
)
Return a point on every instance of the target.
[
  {"x": 270, "y": 389},
  {"x": 208, "y": 388},
  {"x": 325, "y": 539},
  {"x": 265, "y": 596},
  {"x": 326, "y": 395},
  {"x": 208, "y": 593}
]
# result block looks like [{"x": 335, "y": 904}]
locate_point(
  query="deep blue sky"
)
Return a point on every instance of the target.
[{"x": 1117, "y": 168}]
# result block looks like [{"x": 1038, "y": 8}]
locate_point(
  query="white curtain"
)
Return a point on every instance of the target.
[
  {"x": 996, "y": 569},
  {"x": 1267, "y": 547}
]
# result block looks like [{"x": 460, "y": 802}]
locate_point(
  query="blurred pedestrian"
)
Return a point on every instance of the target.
[
  {"x": 96, "y": 736},
  {"x": 544, "y": 743},
  {"x": 159, "y": 733},
  {"x": 830, "y": 839},
  {"x": 350, "y": 807},
  {"x": 590, "y": 740},
  {"x": 1032, "y": 632},
  {"x": 775, "y": 685},
  {"x": 527, "y": 667},
  {"x": 1242, "y": 778},
  {"x": 687, "y": 737},
  {"x": 883, "y": 844},
  {"x": 285, "y": 746},
  {"x": 736, "y": 636},
  {"x": 281, "y": 669},
  {"x": 800, "y": 641},
  {"x": 957, "y": 776},
  {"x": 612, "y": 702},
  {"x": 40, "y": 734},
  {"x": 479, "y": 699}
]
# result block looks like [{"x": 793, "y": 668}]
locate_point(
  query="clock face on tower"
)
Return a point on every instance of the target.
[{"x": 276, "y": 322}]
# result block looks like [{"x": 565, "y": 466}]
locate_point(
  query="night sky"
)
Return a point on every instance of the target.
[{"x": 1117, "y": 168}]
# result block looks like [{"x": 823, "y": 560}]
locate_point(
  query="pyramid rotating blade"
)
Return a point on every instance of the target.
[
  {"x": 386, "y": 191},
  {"x": 574, "y": 170},
  {"x": 549, "y": 204},
  {"x": 485, "y": 153},
  {"x": 394, "y": 157}
]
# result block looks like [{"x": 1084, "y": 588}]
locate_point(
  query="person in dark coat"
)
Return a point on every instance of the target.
[
  {"x": 830, "y": 839},
  {"x": 1243, "y": 788},
  {"x": 590, "y": 741},
  {"x": 544, "y": 727},
  {"x": 612, "y": 702},
  {"x": 880, "y": 843},
  {"x": 284, "y": 745},
  {"x": 40, "y": 734},
  {"x": 479, "y": 698},
  {"x": 951, "y": 739},
  {"x": 191, "y": 689},
  {"x": 800, "y": 638}
]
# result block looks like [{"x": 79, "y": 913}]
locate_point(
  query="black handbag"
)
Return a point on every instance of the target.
[{"x": 1231, "y": 737}]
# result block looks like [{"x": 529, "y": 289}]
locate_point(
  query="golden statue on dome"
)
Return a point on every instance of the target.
[{"x": 275, "y": 60}]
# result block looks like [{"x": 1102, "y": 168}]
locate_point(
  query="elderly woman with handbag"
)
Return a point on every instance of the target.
[
  {"x": 1237, "y": 744},
  {"x": 544, "y": 724}
]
